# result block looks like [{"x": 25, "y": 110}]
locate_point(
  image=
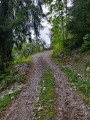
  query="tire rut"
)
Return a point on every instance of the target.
[{"x": 68, "y": 104}]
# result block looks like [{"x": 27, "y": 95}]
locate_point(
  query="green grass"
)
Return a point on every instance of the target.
[
  {"x": 11, "y": 74},
  {"x": 82, "y": 86},
  {"x": 46, "y": 98},
  {"x": 6, "y": 100},
  {"x": 21, "y": 78},
  {"x": 10, "y": 79},
  {"x": 80, "y": 83}
]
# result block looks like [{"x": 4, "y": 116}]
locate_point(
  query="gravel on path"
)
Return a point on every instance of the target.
[{"x": 68, "y": 104}]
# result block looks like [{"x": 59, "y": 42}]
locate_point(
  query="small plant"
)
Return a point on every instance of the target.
[
  {"x": 12, "y": 80},
  {"x": 21, "y": 77},
  {"x": 3, "y": 84},
  {"x": 20, "y": 60}
]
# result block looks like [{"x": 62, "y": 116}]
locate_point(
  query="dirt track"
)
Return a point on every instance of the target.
[{"x": 69, "y": 105}]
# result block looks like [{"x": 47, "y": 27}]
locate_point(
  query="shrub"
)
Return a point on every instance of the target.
[
  {"x": 86, "y": 45},
  {"x": 86, "y": 38},
  {"x": 58, "y": 49},
  {"x": 22, "y": 59}
]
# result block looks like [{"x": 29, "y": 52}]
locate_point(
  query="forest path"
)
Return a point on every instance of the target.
[{"x": 68, "y": 103}]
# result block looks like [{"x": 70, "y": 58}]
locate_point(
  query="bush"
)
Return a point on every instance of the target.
[
  {"x": 86, "y": 38},
  {"x": 58, "y": 49},
  {"x": 28, "y": 49},
  {"x": 86, "y": 45},
  {"x": 22, "y": 59}
]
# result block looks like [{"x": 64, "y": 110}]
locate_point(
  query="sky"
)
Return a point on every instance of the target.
[{"x": 44, "y": 33}]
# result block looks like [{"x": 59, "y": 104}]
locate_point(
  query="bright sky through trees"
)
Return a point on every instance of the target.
[{"x": 46, "y": 31}]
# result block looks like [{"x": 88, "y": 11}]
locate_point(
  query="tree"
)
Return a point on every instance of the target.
[
  {"x": 17, "y": 19},
  {"x": 58, "y": 19},
  {"x": 69, "y": 24},
  {"x": 79, "y": 24}
]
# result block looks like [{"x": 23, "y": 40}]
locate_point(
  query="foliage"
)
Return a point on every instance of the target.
[
  {"x": 46, "y": 98},
  {"x": 70, "y": 24},
  {"x": 24, "y": 55},
  {"x": 21, "y": 77},
  {"x": 79, "y": 20},
  {"x": 57, "y": 50},
  {"x": 11, "y": 77},
  {"x": 86, "y": 38},
  {"x": 22, "y": 59},
  {"x": 59, "y": 23},
  {"x": 28, "y": 49},
  {"x": 86, "y": 45},
  {"x": 6, "y": 100},
  {"x": 18, "y": 18}
]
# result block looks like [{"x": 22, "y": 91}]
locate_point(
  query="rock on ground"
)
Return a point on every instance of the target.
[{"x": 68, "y": 104}]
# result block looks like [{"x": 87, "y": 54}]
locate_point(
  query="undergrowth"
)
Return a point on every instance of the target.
[
  {"x": 7, "y": 80},
  {"x": 6, "y": 100},
  {"x": 80, "y": 84},
  {"x": 19, "y": 60},
  {"x": 46, "y": 104},
  {"x": 76, "y": 68},
  {"x": 11, "y": 77}
]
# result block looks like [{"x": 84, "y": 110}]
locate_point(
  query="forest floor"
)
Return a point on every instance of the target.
[{"x": 68, "y": 103}]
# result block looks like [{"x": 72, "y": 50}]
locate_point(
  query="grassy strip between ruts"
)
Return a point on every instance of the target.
[
  {"x": 80, "y": 84},
  {"x": 45, "y": 107}
]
